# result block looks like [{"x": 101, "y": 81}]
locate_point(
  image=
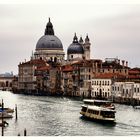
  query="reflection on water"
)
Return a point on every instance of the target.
[{"x": 58, "y": 116}]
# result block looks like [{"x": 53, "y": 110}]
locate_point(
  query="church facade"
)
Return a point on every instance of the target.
[
  {"x": 49, "y": 47},
  {"x": 79, "y": 50}
]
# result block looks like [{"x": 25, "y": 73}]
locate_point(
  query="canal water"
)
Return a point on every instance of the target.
[{"x": 59, "y": 116}]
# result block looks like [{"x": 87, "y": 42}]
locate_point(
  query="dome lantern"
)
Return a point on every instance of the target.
[
  {"x": 87, "y": 38},
  {"x": 49, "y": 28},
  {"x": 75, "y": 39}
]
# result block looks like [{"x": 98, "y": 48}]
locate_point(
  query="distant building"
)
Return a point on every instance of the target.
[
  {"x": 6, "y": 82},
  {"x": 79, "y": 50}
]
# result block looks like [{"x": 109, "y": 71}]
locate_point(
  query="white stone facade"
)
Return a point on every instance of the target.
[
  {"x": 126, "y": 89},
  {"x": 74, "y": 56},
  {"x": 101, "y": 86},
  {"x": 51, "y": 55}
]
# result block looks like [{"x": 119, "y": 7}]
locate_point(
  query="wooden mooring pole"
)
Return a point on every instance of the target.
[
  {"x": 16, "y": 112},
  {"x": 2, "y": 129},
  {"x": 25, "y": 132}
]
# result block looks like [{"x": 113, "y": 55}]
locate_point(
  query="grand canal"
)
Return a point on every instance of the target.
[{"x": 59, "y": 116}]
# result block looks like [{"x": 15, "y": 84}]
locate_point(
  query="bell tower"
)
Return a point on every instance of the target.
[{"x": 86, "y": 47}]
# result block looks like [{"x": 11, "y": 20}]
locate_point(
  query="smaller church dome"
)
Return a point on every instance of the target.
[{"x": 75, "y": 47}]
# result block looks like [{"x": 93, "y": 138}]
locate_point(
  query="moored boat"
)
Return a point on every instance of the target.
[
  {"x": 136, "y": 107},
  {"x": 5, "y": 115},
  {"x": 98, "y": 113},
  {"x": 100, "y": 103},
  {"x": 8, "y": 110}
]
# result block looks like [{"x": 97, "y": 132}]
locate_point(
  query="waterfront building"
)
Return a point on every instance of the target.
[
  {"x": 55, "y": 80},
  {"x": 134, "y": 75},
  {"x": 26, "y": 75},
  {"x": 15, "y": 84},
  {"x": 101, "y": 87},
  {"x": 113, "y": 65},
  {"x": 81, "y": 77},
  {"x": 86, "y": 74},
  {"x": 126, "y": 90},
  {"x": 136, "y": 89},
  {"x": 42, "y": 79},
  {"x": 6, "y": 82},
  {"x": 49, "y": 47},
  {"x": 67, "y": 80}
]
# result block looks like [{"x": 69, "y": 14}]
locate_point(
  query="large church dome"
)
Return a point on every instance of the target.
[
  {"x": 49, "y": 40},
  {"x": 75, "y": 47}
]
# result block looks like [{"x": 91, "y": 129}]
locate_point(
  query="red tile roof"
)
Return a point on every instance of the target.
[
  {"x": 134, "y": 72},
  {"x": 109, "y": 75},
  {"x": 43, "y": 68},
  {"x": 67, "y": 68},
  {"x": 34, "y": 62}
]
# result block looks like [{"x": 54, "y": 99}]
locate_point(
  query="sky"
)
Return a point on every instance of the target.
[{"x": 112, "y": 26}]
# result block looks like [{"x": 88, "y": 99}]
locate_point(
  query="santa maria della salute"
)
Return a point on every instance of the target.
[
  {"x": 49, "y": 73},
  {"x": 49, "y": 47}
]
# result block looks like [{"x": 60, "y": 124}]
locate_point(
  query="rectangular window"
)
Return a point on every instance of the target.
[
  {"x": 89, "y": 70},
  {"x": 89, "y": 77},
  {"x": 134, "y": 89}
]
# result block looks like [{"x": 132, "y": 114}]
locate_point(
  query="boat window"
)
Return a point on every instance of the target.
[
  {"x": 90, "y": 111},
  {"x": 108, "y": 114},
  {"x": 84, "y": 109},
  {"x": 95, "y": 112}
]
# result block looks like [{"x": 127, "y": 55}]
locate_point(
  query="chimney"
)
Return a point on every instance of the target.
[
  {"x": 126, "y": 63},
  {"x": 123, "y": 63},
  {"x": 119, "y": 61}
]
